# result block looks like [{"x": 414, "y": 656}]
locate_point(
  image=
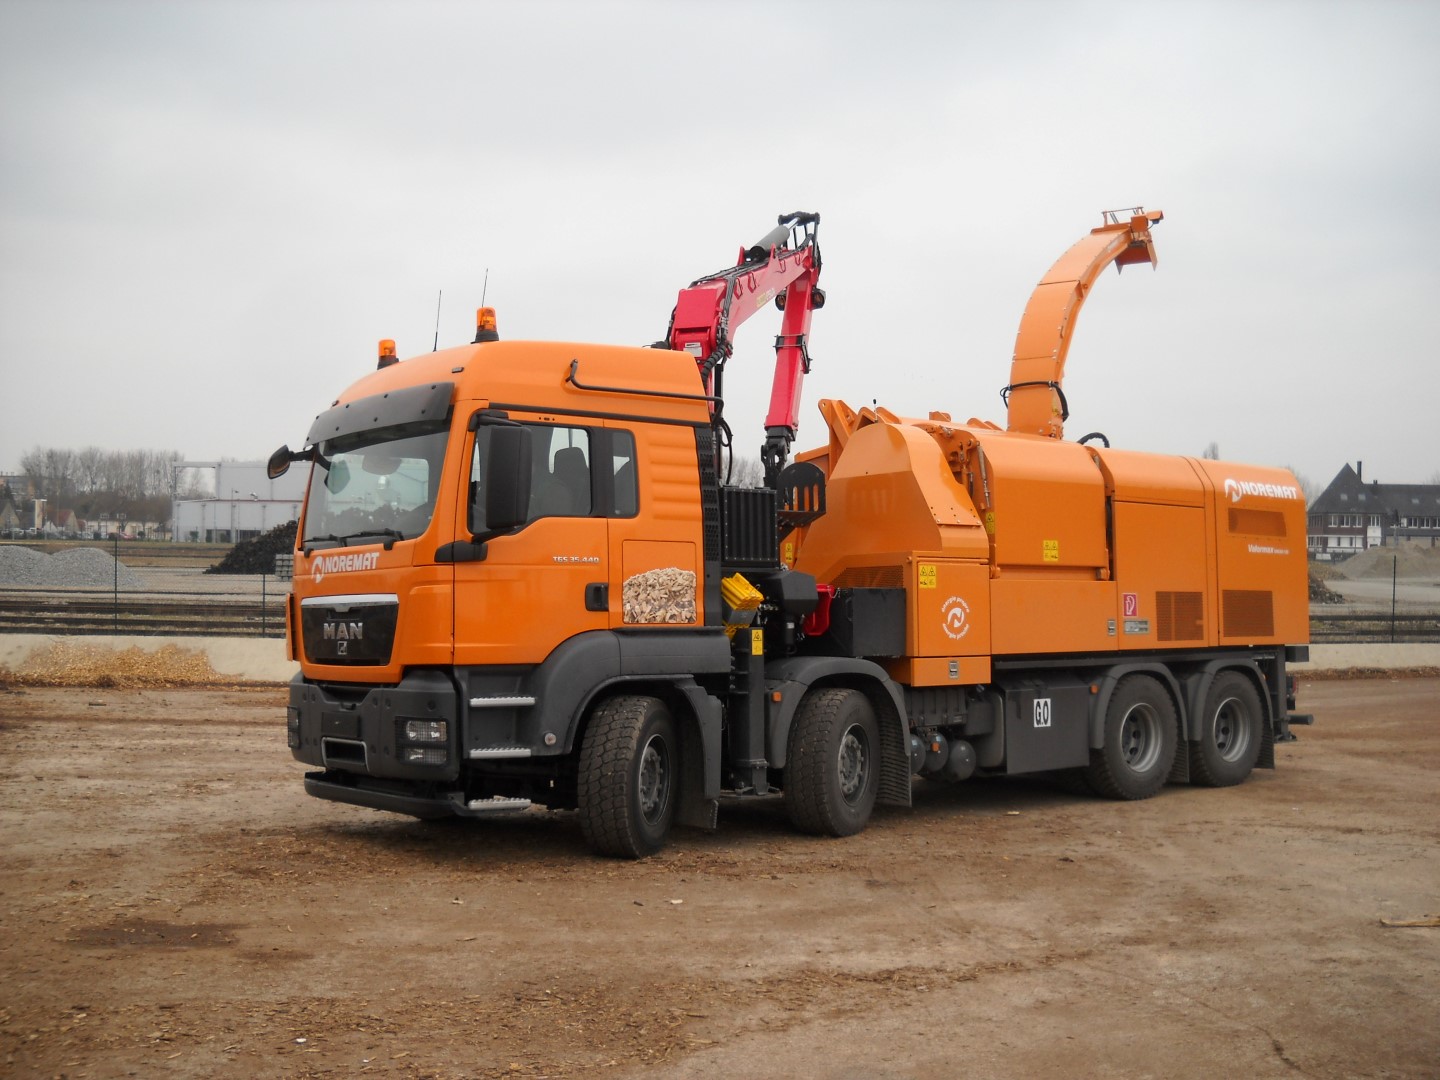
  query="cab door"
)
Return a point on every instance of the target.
[
  {"x": 656, "y": 571},
  {"x": 532, "y": 589}
]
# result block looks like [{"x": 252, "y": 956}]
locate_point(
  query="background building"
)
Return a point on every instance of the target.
[
  {"x": 245, "y": 504},
  {"x": 1351, "y": 516}
]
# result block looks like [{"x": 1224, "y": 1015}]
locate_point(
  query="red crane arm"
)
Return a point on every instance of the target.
[{"x": 783, "y": 266}]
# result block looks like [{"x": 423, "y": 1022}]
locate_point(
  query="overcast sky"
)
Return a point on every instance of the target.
[{"x": 210, "y": 212}]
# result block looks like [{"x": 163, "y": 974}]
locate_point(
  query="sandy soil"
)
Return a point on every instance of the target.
[{"x": 175, "y": 906}]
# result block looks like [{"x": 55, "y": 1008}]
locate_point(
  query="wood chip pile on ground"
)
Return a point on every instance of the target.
[{"x": 73, "y": 663}]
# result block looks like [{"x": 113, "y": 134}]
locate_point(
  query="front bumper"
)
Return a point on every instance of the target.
[{"x": 363, "y": 730}]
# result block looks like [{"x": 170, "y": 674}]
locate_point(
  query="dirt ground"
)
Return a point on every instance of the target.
[{"x": 175, "y": 906}]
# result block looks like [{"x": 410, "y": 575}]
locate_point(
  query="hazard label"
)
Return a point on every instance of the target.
[
  {"x": 927, "y": 575},
  {"x": 1131, "y": 604}
]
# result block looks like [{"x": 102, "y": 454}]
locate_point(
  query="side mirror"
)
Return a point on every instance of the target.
[
  {"x": 507, "y": 478},
  {"x": 279, "y": 463}
]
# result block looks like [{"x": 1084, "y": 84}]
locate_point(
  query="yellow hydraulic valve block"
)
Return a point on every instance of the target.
[{"x": 741, "y": 599}]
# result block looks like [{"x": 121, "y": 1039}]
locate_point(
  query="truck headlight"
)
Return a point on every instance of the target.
[
  {"x": 426, "y": 731},
  {"x": 424, "y": 755},
  {"x": 292, "y": 727}
]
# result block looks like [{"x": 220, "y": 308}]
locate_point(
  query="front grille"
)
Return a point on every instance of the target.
[{"x": 349, "y": 633}]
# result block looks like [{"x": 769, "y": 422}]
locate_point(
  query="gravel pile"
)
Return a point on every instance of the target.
[
  {"x": 1414, "y": 561},
  {"x": 82, "y": 568}
]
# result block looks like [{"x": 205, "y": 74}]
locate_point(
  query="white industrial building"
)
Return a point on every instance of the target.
[{"x": 246, "y": 502}]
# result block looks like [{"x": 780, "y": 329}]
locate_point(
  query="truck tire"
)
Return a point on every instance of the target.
[
  {"x": 1140, "y": 738},
  {"x": 1230, "y": 732},
  {"x": 832, "y": 769},
  {"x": 629, "y": 769}
]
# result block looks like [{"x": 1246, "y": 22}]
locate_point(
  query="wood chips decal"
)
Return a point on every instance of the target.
[{"x": 660, "y": 596}]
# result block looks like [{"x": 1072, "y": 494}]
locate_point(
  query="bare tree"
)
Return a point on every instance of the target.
[
  {"x": 1211, "y": 452},
  {"x": 746, "y": 472},
  {"x": 94, "y": 481},
  {"x": 1308, "y": 487}
]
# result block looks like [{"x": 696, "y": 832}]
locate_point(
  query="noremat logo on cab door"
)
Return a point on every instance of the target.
[
  {"x": 339, "y": 564},
  {"x": 1237, "y": 489}
]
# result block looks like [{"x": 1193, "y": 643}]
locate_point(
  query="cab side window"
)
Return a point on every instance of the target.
[
  {"x": 560, "y": 481},
  {"x": 574, "y": 472},
  {"x": 625, "y": 501}
]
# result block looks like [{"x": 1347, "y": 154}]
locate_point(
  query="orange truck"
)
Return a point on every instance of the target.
[{"x": 522, "y": 579}]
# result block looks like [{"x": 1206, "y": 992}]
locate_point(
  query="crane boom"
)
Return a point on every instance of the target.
[
  {"x": 1034, "y": 397},
  {"x": 784, "y": 266}
]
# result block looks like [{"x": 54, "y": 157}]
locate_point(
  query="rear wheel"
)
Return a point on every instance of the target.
[
  {"x": 832, "y": 767},
  {"x": 1139, "y": 746},
  {"x": 1230, "y": 733},
  {"x": 629, "y": 767}
]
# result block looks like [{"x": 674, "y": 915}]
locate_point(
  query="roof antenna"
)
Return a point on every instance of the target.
[
  {"x": 485, "y": 287},
  {"x": 439, "y": 293}
]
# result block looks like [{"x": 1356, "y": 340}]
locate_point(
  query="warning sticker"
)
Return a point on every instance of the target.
[
  {"x": 927, "y": 575},
  {"x": 1050, "y": 550},
  {"x": 1130, "y": 603}
]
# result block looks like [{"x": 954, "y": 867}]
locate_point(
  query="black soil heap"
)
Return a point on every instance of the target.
[{"x": 257, "y": 556}]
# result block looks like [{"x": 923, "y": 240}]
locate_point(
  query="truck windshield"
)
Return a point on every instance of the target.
[{"x": 375, "y": 484}]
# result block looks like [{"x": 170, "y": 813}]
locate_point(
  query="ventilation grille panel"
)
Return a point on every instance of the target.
[
  {"x": 871, "y": 577},
  {"x": 1248, "y": 613},
  {"x": 1180, "y": 616}
]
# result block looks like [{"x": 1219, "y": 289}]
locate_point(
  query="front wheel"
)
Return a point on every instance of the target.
[
  {"x": 832, "y": 767},
  {"x": 629, "y": 769},
  {"x": 1231, "y": 733},
  {"x": 1139, "y": 748}
]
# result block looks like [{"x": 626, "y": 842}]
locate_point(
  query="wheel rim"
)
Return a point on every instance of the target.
[
  {"x": 1231, "y": 730},
  {"x": 1140, "y": 738},
  {"x": 654, "y": 786},
  {"x": 854, "y": 762}
]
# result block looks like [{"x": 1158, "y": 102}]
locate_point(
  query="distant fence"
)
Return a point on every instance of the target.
[
  {"x": 1370, "y": 629},
  {"x": 87, "y": 590},
  {"x": 170, "y": 614}
]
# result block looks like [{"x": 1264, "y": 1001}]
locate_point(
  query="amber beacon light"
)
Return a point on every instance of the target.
[{"x": 485, "y": 325}]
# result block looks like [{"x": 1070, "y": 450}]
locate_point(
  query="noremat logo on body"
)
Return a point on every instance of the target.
[
  {"x": 1238, "y": 489},
  {"x": 339, "y": 564}
]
